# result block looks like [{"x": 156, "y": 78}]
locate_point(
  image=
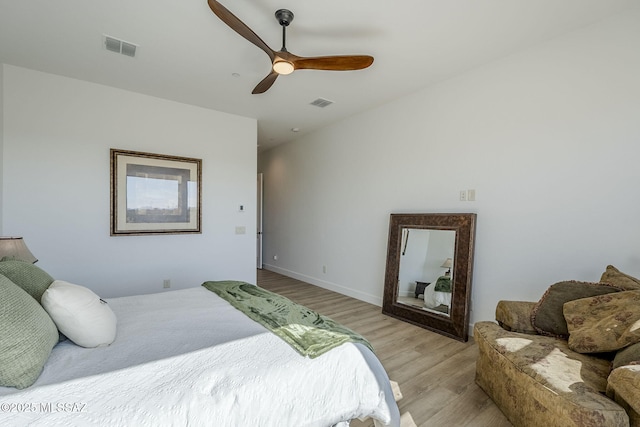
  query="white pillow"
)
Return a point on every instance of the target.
[{"x": 80, "y": 314}]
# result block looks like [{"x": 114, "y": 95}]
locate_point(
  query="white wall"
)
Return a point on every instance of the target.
[
  {"x": 1, "y": 141},
  {"x": 57, "y": 136},
  {"x": 415, "y": 248},
  {"x": 549, "y": 139}
]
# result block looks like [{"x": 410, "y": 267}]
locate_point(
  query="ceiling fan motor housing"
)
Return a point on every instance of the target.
[{"x": 284, "y": 17}]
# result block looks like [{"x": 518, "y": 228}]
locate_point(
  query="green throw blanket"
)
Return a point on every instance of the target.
[{"x": 310, "y": 333}]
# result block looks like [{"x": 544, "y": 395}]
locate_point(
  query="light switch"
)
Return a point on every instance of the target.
[{"x": 241, "y": 230}]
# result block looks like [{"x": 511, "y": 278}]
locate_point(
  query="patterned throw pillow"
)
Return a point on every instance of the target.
[
  {"x": 27, "y": 335},
  {"x": 603, "y": 323},
  {"x": 547, "y": 317},
  {"x": 617, "y": 278}
]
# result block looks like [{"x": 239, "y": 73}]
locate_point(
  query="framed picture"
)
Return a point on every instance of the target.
[{"x": 154, "y": 193}]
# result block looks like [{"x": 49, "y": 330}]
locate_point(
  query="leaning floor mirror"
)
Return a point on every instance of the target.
[{"x": 429, "y": 270}]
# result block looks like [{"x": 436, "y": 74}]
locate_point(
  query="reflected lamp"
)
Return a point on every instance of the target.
[{"x": 448, "y": 263}]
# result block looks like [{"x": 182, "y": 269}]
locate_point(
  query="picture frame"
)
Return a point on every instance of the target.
[{"x": 155, "y": 193}]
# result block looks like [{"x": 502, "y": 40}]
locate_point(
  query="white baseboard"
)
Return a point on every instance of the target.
[
  {"x": 362, "y": 296},
  {"x": 406, "y": 294}
]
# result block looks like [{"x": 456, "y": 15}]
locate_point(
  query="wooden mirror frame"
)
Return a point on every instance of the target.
[{"x": 456, "y": 325}]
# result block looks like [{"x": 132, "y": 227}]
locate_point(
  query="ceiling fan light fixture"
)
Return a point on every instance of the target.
[{"x": 283, "y": 67}]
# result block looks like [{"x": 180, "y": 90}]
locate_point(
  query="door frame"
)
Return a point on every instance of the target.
[{"x": 260, "y": 193}]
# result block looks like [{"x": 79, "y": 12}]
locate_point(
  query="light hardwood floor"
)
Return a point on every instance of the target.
[{"x": 435, "y": 373}]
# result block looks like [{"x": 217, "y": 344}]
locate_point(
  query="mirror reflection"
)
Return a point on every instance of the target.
[{"x": 425, "y": 272}]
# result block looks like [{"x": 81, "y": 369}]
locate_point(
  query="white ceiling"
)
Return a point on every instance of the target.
[{"x": 188, "y": 55}]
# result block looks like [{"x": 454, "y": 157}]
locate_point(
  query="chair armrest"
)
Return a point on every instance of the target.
[
  {"x": 515, "y": 316},
  {"x": 623, "y": 386}
]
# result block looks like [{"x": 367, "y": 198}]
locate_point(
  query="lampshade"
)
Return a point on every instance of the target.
[
  {"x": 447, "y": 263},
  {"x": 15, "y": 248}
]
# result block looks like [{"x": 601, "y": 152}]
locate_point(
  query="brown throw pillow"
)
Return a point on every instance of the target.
[
  {"x": 603, "y": 323},
  {"x": 617, "y": 278},
  {"x": 547, "y": 317}
]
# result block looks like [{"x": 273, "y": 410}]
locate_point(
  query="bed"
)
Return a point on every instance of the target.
[
  {"x": 437, "y": 296},
  {"x": 188, "y": 357}
]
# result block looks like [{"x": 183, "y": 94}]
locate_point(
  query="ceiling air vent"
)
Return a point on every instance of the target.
[
  {"x": 321, "y": 102},
  {"x": 120, "y": 46}
]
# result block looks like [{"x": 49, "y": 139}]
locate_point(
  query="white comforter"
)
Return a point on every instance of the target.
[{"x": 189, "y": 358}]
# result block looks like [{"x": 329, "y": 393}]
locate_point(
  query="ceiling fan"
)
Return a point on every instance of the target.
[{"x": 283, "y": 62}]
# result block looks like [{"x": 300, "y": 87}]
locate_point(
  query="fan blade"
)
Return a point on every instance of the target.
[
  {"x": 266, "y": 83},
  {"x": 333, "y": 63},
  {"x": 239, "y": 27}
]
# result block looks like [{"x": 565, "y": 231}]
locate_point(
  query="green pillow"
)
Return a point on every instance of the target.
[
  {"x": 547, "y": 317},
  {"x": 32, "y": 279},
  {"x": 27, "y": 335}
]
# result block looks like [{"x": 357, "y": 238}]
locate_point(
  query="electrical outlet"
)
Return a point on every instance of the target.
[
  {"x": 463, "y": 195},
  {"x": 275, "y": 257},
  {"x": 166, "y": 283},
  {"x": 324, "y": 269}
]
